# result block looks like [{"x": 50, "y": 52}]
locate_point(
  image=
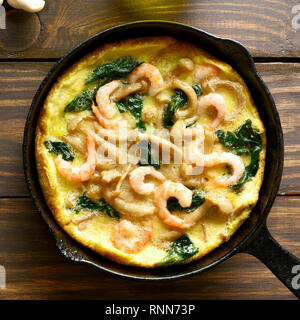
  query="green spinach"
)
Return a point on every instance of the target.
[
  {"x": 181, "y": 249},
  {"x": 146, "y": 157},
  {"x": 113, "y": 70},
  {"x": 83, "y": 202},
  {"x": 198, "y": 89},
  {"x": 191, "y": 124},
  {"x": 178, "y": 100},
  {"x": 82, "y": 102},
  {"x": 59, "y": 147},
  {"x": 197, "y": 200},
  {"x": 134, "y": 104},
  {"x": 244, "y": 140}
]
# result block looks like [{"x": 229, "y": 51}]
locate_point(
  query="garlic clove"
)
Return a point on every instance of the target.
[
  {"x": 28, "y": 5},
  {"x": 14, "y": 4}
]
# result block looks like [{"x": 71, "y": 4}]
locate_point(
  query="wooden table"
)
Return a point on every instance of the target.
[{"x": 29, "y": 47}]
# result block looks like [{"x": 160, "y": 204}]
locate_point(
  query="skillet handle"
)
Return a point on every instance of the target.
[{"x": 284, "y": 265}]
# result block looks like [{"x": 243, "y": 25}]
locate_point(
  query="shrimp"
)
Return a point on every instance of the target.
[
  {"x": 104, "y": 122},
  {"x": 83, "y": 172},
  {"x": 236, "y": 162},
  {"x": 236, "y": 90},
  {"x": 167, "y": 190},
  {"x": 214, "y": 159},
  {"x": 124, "y": 237},
  {"x": 205, "y": 71},
  {"x": 137, "y": 177},
  {"x": 103, "y": 98},
  {"x": 217, "y": 101},
  {"x": 152, "y": 74},
  {"x": 105, "y": 109}
]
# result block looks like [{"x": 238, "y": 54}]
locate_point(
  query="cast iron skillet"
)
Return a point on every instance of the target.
[{"x": 253, "y": 236}]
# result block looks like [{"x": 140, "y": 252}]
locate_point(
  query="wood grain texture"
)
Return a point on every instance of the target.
[
  {"x": 19, "y": 81},
  {"x": 283, "y": 80},
  {"x": 263, "y": 26},
  {"x": 18, "y": 84},
  {"x": 36, "y": 270}
]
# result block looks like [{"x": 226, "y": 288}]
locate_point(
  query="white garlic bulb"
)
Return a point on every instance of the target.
[{"x": 27, "y": 5}]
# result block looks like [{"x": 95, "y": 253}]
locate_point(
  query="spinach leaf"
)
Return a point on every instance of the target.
[
  {"x": 83, "y": 202},
  {"x": 250, "y": 170},
  {"x": 198, "y": 89},
  {"x": 146, "y": 158},
  {"x": 134, "y": 104},
  {"x": 59, "y": 147},
  {"x": 140, "y": 125},
  {"x": 81, "y": 102},
  {"x": 178, "y": 100},
  {"x": 181, "y": 249},
  {"x": 113, "y": 70},
  {"x": 191, "y": 124},
  {"x": 197, "y": 200},
  {"x": 244, "y": 140}
]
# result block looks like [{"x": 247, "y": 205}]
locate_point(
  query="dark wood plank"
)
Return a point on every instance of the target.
[
  {"x": 283, "y": 81},
  {"x": 263, "y": 26},
  {"x": 19, "y": 82},
  {"x": 36, "y": 270}
]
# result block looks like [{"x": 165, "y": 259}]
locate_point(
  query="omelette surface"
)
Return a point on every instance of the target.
[{"x": 93, "y": 211}]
